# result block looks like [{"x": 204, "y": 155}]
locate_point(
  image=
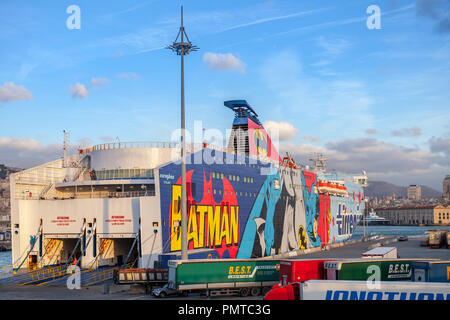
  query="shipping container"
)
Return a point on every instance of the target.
[
  {"x": 425, "y": 239},
  {"x": 364, "y": 269},
  {"x": 292, "y": 272},
  {"x": 302, "y": 270},
  {"x": 381, "y": 253},
  {"x": 361, "y": 290},
  {"x": 438, "y": 238},
  {"x": 431, "y": 271},
  {"x": 243, "y": 276},
  {"x": 150, "y": 277}
]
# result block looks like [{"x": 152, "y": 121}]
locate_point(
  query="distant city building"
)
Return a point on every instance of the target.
[
  {"x": 442, "y": 214},
  {"x": 5, "y": 222},
  {"x": 414, "y": 192},
  {"x": 446, "y": 187},
  {"x": 415, "y": 215}
]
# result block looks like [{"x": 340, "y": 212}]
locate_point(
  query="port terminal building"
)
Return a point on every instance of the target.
[{"x": 416, "y": 215}]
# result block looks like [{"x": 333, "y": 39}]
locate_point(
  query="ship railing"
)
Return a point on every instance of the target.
[
  {"x": 106, "y": 194},
  {"x": 95, "y": 277},
  {"x": 125, "y": 145},
  {"x": 131, "y": 194},
  {"x": 190, "y": 147},
  {"x": 47, "y": 273}
]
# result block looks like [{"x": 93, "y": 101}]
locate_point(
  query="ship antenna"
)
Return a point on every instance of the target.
[
  {"x": 65, "y": 160},
  {"x": 183, "y": 47},
  {"x": 319, "y": 162}
]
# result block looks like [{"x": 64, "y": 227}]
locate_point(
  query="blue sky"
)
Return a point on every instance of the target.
[{"x": 370, "y": 99}]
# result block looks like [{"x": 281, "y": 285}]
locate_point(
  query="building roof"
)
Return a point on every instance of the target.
[{"x": 406, "y": 207}]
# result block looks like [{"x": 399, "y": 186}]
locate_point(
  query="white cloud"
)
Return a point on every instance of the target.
[
  {"x": 371, "y": 131},
  {"x": 311, "y": 139},
  {"x": 333, "y": 47},
  {"x": 284, "y": 130},
  {"x": 107, "y": 138},
  {"x": 99, "y": 82},
  {"x": 383, "y": 161},
  {"x": 79, "y": 91},
  {"x": 438, "y": 145},
  {"x": 263, "y": 20},
  {"x": 128, "y": 76},
  {"x": 26, "y": 153},
  {"x": 224, "y": 62},
  {"x": 407, "y": 132},
  {"x": 11, "y": 92},
  {"x": 342, "y": 22}
]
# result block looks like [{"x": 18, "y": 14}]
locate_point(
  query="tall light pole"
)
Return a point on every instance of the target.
[{"x": 182, "y": 47}]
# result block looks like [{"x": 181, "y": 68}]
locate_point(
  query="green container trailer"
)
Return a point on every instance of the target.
[
  {"x": 370, "y": 269},
  {"x": 243, "y": 276}
]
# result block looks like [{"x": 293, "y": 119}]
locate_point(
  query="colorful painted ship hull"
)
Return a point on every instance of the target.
[{"x": 244, "y": 207}]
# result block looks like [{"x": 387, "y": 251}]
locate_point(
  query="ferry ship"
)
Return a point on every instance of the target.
[{"x": 119, "y": 203}]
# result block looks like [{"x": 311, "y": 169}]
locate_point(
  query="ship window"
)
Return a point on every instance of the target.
[
  {"x": 214, "y": 175},
  {"x": 237, "y": 178},
  {"x": 225, "y": 192},
  {"x": 240, "y": 193},
  {"x": 221, "y": 175},
  {"x": 214, "y": 191},
  {"x": 220, "y": 191},
  {"x": 245, "y": 179}
]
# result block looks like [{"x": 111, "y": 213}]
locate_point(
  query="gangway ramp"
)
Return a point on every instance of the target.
[
  {"x": 24, "y": 277},
  {"x": 88, "y": 277}
]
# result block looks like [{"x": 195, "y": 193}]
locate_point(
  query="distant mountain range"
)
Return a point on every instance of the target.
[{"x": 379, "y": 189}]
